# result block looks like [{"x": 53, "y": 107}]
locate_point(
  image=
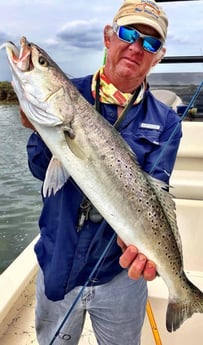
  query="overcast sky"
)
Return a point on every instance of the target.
[{"x": 72, "y": 31}]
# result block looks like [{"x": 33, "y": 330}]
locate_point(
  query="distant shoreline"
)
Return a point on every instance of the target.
[
  {"x": 7, "y": 94},
  {"x": 176, "y": 78},
  {"x": 183, "y": 84}
]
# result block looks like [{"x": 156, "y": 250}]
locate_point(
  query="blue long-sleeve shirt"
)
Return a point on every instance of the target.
[{"x": 66, "y": 256}]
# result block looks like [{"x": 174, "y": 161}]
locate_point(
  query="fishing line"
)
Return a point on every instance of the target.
[{"x": 103, "y": 225}]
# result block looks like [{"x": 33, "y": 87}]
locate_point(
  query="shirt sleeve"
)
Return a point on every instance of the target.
[{"x": 38, "y": 156}]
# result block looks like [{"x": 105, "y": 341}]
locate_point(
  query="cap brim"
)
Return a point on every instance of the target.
[{"x": 141, "y": 20}]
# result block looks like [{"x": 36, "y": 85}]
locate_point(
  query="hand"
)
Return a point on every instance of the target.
[
  {"x": 24, "y": 120},
  {"x": 137, "y": 263}
]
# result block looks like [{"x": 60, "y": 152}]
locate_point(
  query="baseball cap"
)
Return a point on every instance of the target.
[{"x": 143, "y": 12}]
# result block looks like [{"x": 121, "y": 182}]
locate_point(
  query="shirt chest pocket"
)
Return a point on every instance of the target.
[
  {"x": 148, "y": 136},
  {"x": 143, "y": 142}
]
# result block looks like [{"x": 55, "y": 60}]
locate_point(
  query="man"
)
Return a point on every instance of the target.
[{"x": 70, "y": 245}]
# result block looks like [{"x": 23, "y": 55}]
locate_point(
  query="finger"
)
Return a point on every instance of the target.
[
  {"x": 121, "y": 244},
  {"x": 24, "y": 120},
  {"x": 21, "y": 112},
  {"x": 128, "y": 256},
  {"x": 137, "y": 267},
  {"x": 149, "y": 271}
]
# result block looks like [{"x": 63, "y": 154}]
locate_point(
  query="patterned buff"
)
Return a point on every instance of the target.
[{"x": 110, "y": 94}]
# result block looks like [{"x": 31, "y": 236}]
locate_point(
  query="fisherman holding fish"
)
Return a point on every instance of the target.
[{"x": 72, "y": 233}]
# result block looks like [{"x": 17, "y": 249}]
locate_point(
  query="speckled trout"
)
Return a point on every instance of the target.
[{"x": 87, "y": 148}]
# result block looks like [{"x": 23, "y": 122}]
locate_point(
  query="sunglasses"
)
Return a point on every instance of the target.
[{"x": 130, "y": 35}]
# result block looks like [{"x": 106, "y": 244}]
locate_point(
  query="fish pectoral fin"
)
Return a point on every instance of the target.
[
  {"x": 56, "y": 177},
  {"x": 72, "y": 143}
]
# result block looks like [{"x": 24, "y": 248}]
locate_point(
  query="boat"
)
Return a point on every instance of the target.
[{"x": 17, "y": 282}]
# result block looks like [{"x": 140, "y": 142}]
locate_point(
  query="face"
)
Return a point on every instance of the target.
[{"x": 128, "y": 64}]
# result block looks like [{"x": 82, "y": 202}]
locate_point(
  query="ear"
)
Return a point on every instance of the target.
[
  {"x": 107, "y": 35},
  {"x": 159, "y": 56}
]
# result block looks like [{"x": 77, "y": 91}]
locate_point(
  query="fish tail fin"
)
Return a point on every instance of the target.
[{"x": 181, "y": 309}]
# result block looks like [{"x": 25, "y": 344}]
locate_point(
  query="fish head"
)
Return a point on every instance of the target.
[{"x": 40, "y": 85}]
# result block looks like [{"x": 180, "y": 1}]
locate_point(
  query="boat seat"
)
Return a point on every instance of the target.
[
  {"x": 187, "y": 184},
  {"x": 187, "y": 176},
  {"x": 168, "y": 97},
  {"x": 192, "y": 140}
]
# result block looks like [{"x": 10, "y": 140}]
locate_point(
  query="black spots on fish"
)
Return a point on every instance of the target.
[
  {"x": 140, "y": 190},
  {"x": 186, "y": 285},
  {"x": 133, "y": 196},
  {"x": 168, "y": 256},
  {"x": 131, "y": 174},
  {"x": 111, "y": 156},
  {"x": 119, "y": 174},
  {"x": 153, "y": 217},
  {"x": 148, "y": 186}
]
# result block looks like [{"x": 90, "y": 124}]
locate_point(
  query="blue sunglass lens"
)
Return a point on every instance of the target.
[
  {"x": 150, "y": 43},
  {"x": 128, "y": 35}
]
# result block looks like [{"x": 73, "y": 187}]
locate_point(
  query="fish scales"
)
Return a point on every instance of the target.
[
  {"x": 88, "y": 148},
  {"x": 121, "y": 165}
]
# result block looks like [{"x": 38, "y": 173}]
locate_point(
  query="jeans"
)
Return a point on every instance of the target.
[{"x": 116, "y": 309}]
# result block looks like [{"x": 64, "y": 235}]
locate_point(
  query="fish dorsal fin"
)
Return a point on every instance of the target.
[
  {"x": 168, "y": 205},
  {"x": 56, "y": 177}
]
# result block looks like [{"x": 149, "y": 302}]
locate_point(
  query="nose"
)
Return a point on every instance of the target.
[{"x": 136, "y": 46}]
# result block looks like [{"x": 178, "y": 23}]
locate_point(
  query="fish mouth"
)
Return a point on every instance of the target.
[{"x": 20, "y": 58}]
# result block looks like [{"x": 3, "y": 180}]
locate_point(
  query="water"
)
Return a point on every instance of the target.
[{"x": 20, "y": 201}]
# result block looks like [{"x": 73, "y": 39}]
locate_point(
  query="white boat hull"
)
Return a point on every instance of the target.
[{"x": 17, "y": 283}]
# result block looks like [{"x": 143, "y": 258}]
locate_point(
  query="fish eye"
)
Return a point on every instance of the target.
[{"x": 42, "y": 61}]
